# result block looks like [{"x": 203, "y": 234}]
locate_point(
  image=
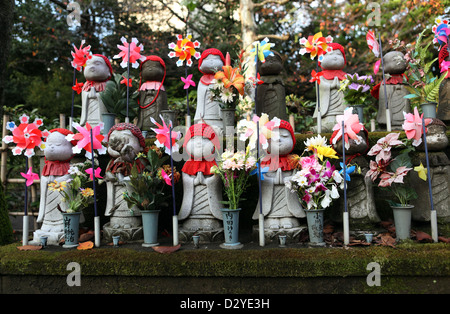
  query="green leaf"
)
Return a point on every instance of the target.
[{"x": 402, "y": 160}]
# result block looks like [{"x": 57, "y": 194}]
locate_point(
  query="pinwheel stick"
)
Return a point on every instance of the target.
[
  {"x": 344, "y": 166},
  {"x": 174, "y": 218},
  {"x": 319, "y": 114},
  {"x": 25, "y": 212},
  {"x": 261, "y": 215},
  {"x": 96, "y": 217},
  {"x": 127, "y": 119},
  {"x": 73, "y": 99},
  {"x": 388, "y": 113},
  {"x": 434, "y": 230}
]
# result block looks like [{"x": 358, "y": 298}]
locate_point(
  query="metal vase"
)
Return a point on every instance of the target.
[
  {"x": 71, "y": 229},
  {"x": 150, "y": 227},
  {"x": 314, "y": 219},
  {"x": 228, "y": 117},
  {"x": 359, "y": 110},
  {"x": 109, "y": 120},
  {"x": 429, "y": 110},
  {"x": 231, "y": 228},
  {"x": 402, "y": 220}
]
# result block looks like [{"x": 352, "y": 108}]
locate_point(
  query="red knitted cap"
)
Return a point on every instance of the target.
[
  {"x": 338, "y": 47},
  {"x": 161, "y": 61},
  {"x": 64, "y": 132},
  {"x": 204, "y": 130},
  {"x": 443, "y": 53},
  {"x": 129, "y": 126},
  {"x": 108, "y": 64},
  {"x": 287, "y": 126},
  {"x": 207, "y": 52}
]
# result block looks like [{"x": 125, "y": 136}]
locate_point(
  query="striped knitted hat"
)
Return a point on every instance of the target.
[{"x": 129, "y": 126}]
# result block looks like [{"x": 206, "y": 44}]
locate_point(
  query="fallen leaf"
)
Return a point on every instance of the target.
[
  {"x": 328, "y": 229},
  {"x": 166, "y": 249},
  {"x": 29, "y": 247},
  {"x": 445, "y": 240},
  {"x": 387, "y": 240},
  {"x": 423, "y": 237},
  {"x": 87, "y": 236},
  {"x": 85, "y": 245}
]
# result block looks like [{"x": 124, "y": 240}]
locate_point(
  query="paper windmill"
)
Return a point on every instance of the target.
[
  {"x": 441, "y": 31},
  {"x": 135, "y": 53},
  {"x": 26, "y": 136},
  {"x": 373, "y": 43},
  {"x": 80, "y": 56},
  {"x": 83, "y": 139},
  {"x": 263, "y": 49},
  {"x": 184, "y": 49},
  {"x": 163, "y": 136},
  {"x": 96, "y": 173},
  {"x": 248, "y": 130},
  {"x": 316, "y": 45},
  {"x": 413, "y": 126},
  {"x": 352, "y": 127},
  {"x": 30, "y": 176},
  {"x": 188, "y": 81}
]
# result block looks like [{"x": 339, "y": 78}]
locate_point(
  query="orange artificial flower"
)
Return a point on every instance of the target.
[{"x": 231, "y": 77}]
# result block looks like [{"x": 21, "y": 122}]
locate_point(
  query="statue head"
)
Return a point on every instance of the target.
[
  {"x": 394, "y": 62},
  {"x": 153, "y": 68},
  {"x": 284, "y": 143},
  {"x": 125, "y": 140},
  {"x": 211, "y": 61},
  {"x": 272, "y": 66},
  {"x": 98, "y": 69},
  {"x": 335, "y": 59},
  {"x": 201, "y": 141},
  {"x": 57, "y": 147}
]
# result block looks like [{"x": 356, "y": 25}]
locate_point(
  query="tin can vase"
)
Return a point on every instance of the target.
[
  {"x": 231, "y": 229},
  {"x": 314, "y": 219},
  {"x": 150, "y": 227},
  {"x": 71, "y": 229}
]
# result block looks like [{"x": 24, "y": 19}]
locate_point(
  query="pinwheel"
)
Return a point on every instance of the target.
[
  {"x": 351, "y": 127},
  {"x": 188, "y": 81},
  {"x": 130, "y": 53},
  {"x": 316, "y": 45},
  {"x": 165, "y": 138},
  {"x": 96, "y": 173},
  {"x": 441, "y": 31},
  {"x": 83, "y": 139},
  {"x": 80, "y": 56},
  {"x": 261, "y": 50},
  {"x": 30, "y": 176},
  {"x": 373, "y": 43},
  {"x": 184, "y": 49},
  {"x": 413, "y": 126}
]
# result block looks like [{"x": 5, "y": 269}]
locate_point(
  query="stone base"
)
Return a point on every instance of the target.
[
  {"x": 206, "y": 236},
  {"x": 271, "y": 235},
  {"x": 126, "y": 234},
  {"x": 53, "y": 238}
]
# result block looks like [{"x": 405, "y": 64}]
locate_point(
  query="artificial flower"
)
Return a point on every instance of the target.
[
  {"x": 327, "y": 152},
  {"x": 231, "y": 77},
  {"x": 256, "y": 171},
  {"x": 348, "y": 171},
  {"x": 445, "y": 65},
  {"x": 249, "y": 130},
  {"x": 166, "y": 177},
  {"x": 184, "y": 49},
  {"x": 80, "y": 56},
  {"x": 316, "y": 45},
  {"x": 261, "y": 50},
  {"x": 188, "y": 81},
  {"x": 78, "y": 87},
  {"x": 421, "y": 172},
  {"x": 382, "y": 149},
  {"x": 352, "y": 127},
  {"x": 30, "y": 176},
  {"x": 388, "y": 178},
  {"x": 126, "y": 82},
  {"x": 96, "y": 173},
  {"x": 87, "y": 192},
  {"x": 84, "y": 140},
  {"x": 256, "y": 80},
  {"x": 227, "y": 95},
  {"x": 163, "y": 135},
  {"x": 373, "y": 43},
  {"x": 413, "y": 126},
  {"x": 57, "y": 186},
  {"x": 316, "y": 141},
  {"x": 130, "y": 52}
]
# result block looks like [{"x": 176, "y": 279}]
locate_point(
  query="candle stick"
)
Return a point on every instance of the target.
[
  {"x": 346, "y": 223},
  {"x": 174, "y": 218},
  {"x": 261, "y": 215},
  {"x": 434, "y": 231},
  {"x": 388, "y": 113},
  {"x": 96, "y": 217}
]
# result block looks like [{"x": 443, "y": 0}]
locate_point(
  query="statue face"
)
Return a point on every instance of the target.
[
  {"x": 211, "y": 64},
  {"x": 333, "y": 60},
  {"x": 283, "y": 145},
  {"x": 152, "y": 71},
  {"x": 57, "y": 147},
  {"x": 124, "y": 144},
  {"x": 199, "y": 147},
  {"x": 272, "y": 66},
  {"x": 96, "y": 69},
  {"x": 394, "y": 62}
]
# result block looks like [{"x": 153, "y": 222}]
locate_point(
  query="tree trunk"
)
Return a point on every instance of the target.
[
  {"x": 248, "y": 31},
  {"x": 6, "y": 23}
]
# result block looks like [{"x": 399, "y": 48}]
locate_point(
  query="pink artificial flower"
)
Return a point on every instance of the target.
[
  {"x": 125, "y": 81},
  {"x": 413, "y": 126},
  {"x": 96, "y": 173},
  {"x": 83, "y": 139},
  {"x": 166, "y": 177},
  {"x": 30, "y": 176},
  {"x": 188, "y": 81},
  {"x": 163, "y": 136},
  {"x": 445, "y": 65},
  {"x": 382, "y": 149},
  {"x": 309, "y": 162},
  {"x": 352, "y": 127},
  {"x": 387, "y": 178},
  {"x": 376, "y": 168},
  {"x": 135, "y": 53},
  {"x": 80, "y": 56}
]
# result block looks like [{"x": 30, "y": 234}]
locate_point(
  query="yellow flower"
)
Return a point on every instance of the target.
[
  {"x": 323, "y": 151},
  {"x": 422, "y": 172},
  {"x": 57, "y": 186},
  {"x": 87, "y": 192}
]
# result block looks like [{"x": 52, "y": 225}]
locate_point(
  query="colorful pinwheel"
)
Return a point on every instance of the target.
[
  {"x": 441, "y": 31},
  {"x": 316, "y": 45},
  {"x": 80, "y": 56},
  {"x": 261, "y": 50},
  {"x": 163, "y": 136},
  {"x": 30, "y": 176},
  {"x": 315, "y": 76},
  {"x": 352, "y": 127},
  {"x": 248, "y": 130},
  {"x": 96, "y": 173},
  {"x": 231, "y": 77},
  {"x": 188, "y": 81},
  {"x": 373, "y": 43},
  {"x": 26, "y": 136},
  {"x": 83, "y": 139},
  {"x": 134, "y": 53},
  {"x": 184, "y": 49},
  {"x": 413, "y": 126}
]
